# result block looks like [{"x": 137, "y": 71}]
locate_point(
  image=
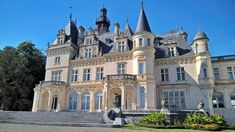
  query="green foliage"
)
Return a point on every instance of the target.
[
  {"x": 202, "y": 121},
  {"x": 20, "y": 69},
  {"x": 155, "y": 118}
]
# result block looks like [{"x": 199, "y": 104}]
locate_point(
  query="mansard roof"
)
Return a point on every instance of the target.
[{"x": 142, "y": 24}]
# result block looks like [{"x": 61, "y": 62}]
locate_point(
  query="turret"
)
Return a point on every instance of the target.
[
  {"x": 200, "y": 43},
  {"x": 143, "y": 58}
]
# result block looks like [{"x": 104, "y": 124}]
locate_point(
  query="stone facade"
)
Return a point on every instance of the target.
[{"x": 86, "y": 70}]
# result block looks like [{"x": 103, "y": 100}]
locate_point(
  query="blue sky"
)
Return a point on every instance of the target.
[{"x": 39, "y": 20}]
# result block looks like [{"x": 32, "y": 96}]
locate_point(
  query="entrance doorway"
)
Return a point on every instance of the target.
[
  {"x": 54, "y": 103},
  {"x": 86, "y": 102},
  {"x": 115, "y": 98}
]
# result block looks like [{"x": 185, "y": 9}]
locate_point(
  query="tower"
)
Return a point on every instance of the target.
[
  {"x": 102, "y": 22},
  {"x": 204, "y": 68},
  {"x": 143, "y": 59}
]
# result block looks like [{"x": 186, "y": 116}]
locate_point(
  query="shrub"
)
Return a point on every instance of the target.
[
  {"x": 202, "y": 121},
  {"x": 155, "y": 118}
]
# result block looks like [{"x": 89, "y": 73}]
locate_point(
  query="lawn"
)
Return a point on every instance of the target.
[{"x": 145, "y": 129}]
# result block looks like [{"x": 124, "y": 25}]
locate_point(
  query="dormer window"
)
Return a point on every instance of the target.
[
  {"x": 89, "y": 41},
  {"x": 88, "y": 53},
  {"x": 171, "y": 51},
  {"x": 121, "y": 46},
  {"x": 148, "y": 42},
  {"x": 60, "y": 40}
]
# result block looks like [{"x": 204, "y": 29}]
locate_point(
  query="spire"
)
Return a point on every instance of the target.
[
  {"x": 128, "y": 29},
  {"x": 143, "y": 24}
]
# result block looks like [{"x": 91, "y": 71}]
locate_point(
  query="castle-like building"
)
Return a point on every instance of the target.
[{"x": 85, "y": 70}]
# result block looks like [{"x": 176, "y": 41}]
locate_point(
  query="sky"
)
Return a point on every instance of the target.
[{"x": 38, "y": 21}]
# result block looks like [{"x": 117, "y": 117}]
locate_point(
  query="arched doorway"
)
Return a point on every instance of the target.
[
  {"x": 86, "y": 102},
  {"x": 73, "y": 99},
  {"x": 115, "y": 92},
  {"x": 54, "y": 102},
  {"x": 98, "y": 102},
  {"x": 44, "y": 101}
]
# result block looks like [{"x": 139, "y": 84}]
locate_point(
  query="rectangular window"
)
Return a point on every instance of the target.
[
  {"x": 88, "y": 53},
  {"x": 56, "y": 75},
  {"x": 121, "y": 69},
  {"x": 232, "y": 97},
  {"x": 140, "y": 42},
  {"x": 121, "y": 46},
  {"x": 141, "y": 68},
  {"x": 171, "y": 52},
  {"x": 180, "y": 73},
  {"x": 230, "y": 73},
  {"x": 74, "y": 77},
  {"x": 142, "y": 97},
  {"x": 99, "y": 73},
  {"x": 176, "y": 99},
  {"x": 86, "y": 74},
  {"x": 204, "y": 73},
  {"x": 148, "y": 42},
  {"x": 216, "y": 74},
  {"x": 57, "y": 60},
  {"x": 164, "y": 75}
]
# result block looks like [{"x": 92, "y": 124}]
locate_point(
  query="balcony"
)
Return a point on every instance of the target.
[
  {"x": 121, "y": 77},
  {"x": 51, "y": 82}
]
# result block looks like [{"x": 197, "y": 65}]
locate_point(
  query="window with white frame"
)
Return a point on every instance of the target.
[
  {"x": 180, "y": 73},
  {"x": 142, "y": 97},
  {"x": 164, "y": 75},
  {"x": 86, "y": 74},
  {"x": 99, "y": 73},
  {"x": 98, "y": 101},
  {"x": 56, "y": 75},
  {"x": 230, "y": 72},
  {"x": 171, "y": 51},
  {"x": 140, "y": 42},
  {"x": 60, "y": 40},
  {"x": 88, "y": 53},
  {"x": 176, "y": 99},
  {"x": 216, "y": 74},
  {"x": 141, "y": 68},
  {"x": 218, "y": 100},
  {"x": 121, "y": 46},
  {"x": 121, "y": 68},
  {"x": 57, "y": 60},
  {"x": 232, "y": 98},
  {"x": 148, "y": 41},
  {"x": 74, "y": 77}
]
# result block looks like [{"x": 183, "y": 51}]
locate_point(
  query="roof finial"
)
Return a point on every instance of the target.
[
  {"x": 142, "y": 4},
  {"x": 70, "y": 15},
  {"x": 127, "y": 20},
  {"x": 103, "y": 6}
]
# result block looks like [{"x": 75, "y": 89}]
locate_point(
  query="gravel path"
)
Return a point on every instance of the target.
[{"x": 39, "y": 128}]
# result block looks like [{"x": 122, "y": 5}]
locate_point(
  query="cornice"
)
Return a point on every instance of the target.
[{"x": 176, "y": 60}]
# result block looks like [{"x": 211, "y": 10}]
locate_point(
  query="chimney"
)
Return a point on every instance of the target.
[{"x": 116, "y": 29}]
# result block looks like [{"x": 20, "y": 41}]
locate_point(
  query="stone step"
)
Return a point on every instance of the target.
[{"x": 69, "y": 117}]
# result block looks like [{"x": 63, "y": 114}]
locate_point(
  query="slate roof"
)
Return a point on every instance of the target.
[
  {"x": 142, "y": 24},
  {"x": 200, "y": 35}
]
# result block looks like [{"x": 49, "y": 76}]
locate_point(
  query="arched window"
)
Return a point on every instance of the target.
[
  {"x": 218, "y": 100},
  {"x": 98, "y": 101},
  {"x": 73, "y": 99},
  {"x": 232, "y": 97},
  {"x": 86, "y": 102},
  {"x": 54, "y": 102}
]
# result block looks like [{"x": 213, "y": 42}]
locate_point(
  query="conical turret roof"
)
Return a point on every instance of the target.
[{"x": 142, "y": 24}]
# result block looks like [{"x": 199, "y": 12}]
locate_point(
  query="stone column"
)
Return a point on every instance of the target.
[
  {"x": 208, "y": 93},
  {"x": 49, "y": 101},
  {"x": 92, "y": 101},
  {"x": 79, "y": 104},
  {"x": 35, "y": 101},
  {"x": 123, "y": 102},
  {"x": 227, "y": 101},
  {"x": 134, "y": 98}
]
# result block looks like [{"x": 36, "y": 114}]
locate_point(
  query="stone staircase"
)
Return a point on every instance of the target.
[{"x": 54, "y": 118}]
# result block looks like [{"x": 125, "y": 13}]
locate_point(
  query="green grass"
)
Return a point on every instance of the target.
[{"x": 145, "y": 129}]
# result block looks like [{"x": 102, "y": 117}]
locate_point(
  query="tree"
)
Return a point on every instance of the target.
[{"x": 21, "y": 69}]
